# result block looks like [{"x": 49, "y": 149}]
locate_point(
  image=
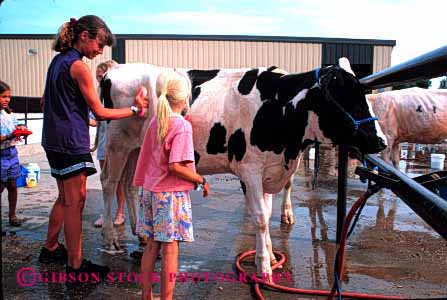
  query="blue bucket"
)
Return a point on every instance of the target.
[{"x": 21, "y": 180}]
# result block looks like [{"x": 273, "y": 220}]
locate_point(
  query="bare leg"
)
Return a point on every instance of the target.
[
  {"x": 169, "y": 267},
  {"x": 12, "y": 198},
  {"x": 147, "y": 268},
  {"x": 75, "y": 193},
  {"x": 56, "y": 219}
]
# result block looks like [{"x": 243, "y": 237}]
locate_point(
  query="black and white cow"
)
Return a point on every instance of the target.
[{"x": 249, "y": 122}]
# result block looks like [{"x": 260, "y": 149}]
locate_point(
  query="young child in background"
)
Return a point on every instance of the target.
[
  {"x": 166, "y": 171},
  {"x": 101, "y": 135},
  {"x": 10, "y": 166}
]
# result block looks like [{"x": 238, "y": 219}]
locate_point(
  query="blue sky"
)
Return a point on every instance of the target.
[{"x": 417, "y": 26}]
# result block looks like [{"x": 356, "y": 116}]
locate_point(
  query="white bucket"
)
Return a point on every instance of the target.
[
  {"x": 312, "y": 153},
  {"x": 34, "y": 167},
  {"x": 437, "y": 161}
]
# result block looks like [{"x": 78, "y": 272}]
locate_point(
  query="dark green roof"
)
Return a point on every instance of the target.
[{"x": 255, "y": 38}]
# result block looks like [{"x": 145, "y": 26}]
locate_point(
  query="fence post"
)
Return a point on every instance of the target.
[{"x": 342, "y": 185}]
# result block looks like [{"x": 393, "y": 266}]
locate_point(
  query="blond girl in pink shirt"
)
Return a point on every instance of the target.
[{"x": 166, "y": 171}]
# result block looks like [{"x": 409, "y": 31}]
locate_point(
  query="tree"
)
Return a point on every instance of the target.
[
  {"x": 423, "y": 83},
  {"x": 443, "y": 83}
]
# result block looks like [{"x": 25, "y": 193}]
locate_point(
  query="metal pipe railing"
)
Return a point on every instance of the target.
[
  {"x": 426, "y": 204},
  {"x": 430, "y": 65}
]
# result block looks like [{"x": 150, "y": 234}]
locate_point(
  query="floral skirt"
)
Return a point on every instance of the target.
[{"x": 165, "y": 216}]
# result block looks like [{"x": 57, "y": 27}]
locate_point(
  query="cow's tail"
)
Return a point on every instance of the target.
[{"x": 95, "y": 145}]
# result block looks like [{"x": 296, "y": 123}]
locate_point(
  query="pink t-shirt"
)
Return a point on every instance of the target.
[{"x": 152, "y": 171}]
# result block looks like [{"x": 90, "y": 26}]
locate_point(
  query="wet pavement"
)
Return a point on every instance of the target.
[{"x": 391, "y": 251}]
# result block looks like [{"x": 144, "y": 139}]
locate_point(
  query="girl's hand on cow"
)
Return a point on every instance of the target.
[
  {"x": 206, "y": 189},
  {"x": 141, "y": 99}
]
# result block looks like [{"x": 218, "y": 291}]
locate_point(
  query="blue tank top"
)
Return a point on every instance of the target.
[{"x": 65, "y": 116}]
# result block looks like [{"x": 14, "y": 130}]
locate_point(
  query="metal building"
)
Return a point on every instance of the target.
[{"x": 25, "y": 58}]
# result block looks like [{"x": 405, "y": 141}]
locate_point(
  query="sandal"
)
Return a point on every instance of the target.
[
  {"x": 119, "y": 220},
  {"x": 15, "y": 222}
]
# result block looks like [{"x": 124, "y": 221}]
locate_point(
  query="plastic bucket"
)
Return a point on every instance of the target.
[
  {"x": 21, "y": 180},
  {"x": 31, "y": 180},
  {"x": 34, "y": 167},
  {"x": 312, "y": 153},
  {"x": 437, "y": 161}
]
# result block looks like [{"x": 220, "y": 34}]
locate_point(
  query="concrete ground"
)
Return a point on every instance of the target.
[{"x": 392, "y": 251}]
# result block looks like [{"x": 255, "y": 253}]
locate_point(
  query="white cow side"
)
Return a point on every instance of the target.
[{"x": 411, "y": 115}]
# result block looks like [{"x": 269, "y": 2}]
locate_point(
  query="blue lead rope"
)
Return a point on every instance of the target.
[
  {"x": 358, "y": 123},
  {"x": 317, "y": 74}
]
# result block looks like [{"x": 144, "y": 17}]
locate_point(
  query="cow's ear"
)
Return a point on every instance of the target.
[{"x": 343, "y": 63}]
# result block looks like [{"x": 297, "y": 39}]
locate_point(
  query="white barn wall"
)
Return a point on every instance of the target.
[
  {"x": 26, "y": 73},
  {"x": 200, "y": 54}
]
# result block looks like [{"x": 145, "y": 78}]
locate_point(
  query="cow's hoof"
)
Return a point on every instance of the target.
[{"x": 287, "y": 219}]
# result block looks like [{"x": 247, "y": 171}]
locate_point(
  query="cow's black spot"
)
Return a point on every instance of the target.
[
  {"x": 237, "y": 145},
  {"x": 105, "y": 94},
  {"x": 196, "y": 158},
  {"x": 419, "y": 109},
  {"x": 272, "y": 68},
  {"x": 197, "y": 78},
  {"x": 295, "y": 123},
  {"x": 244, "y": 187},
  {"x": 216, "y": 142},
  {"x": 291, "y": 85},
  {"x": 268, "y": 127},
  {"x": 247, "y": 82},
  {"x": 195, "y": 93},
  {"x": 268, "y": 84},
  {"x": 278, "y": 125}
]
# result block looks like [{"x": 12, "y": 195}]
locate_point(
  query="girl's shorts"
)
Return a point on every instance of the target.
[
  {"x": 10, "y": 166},
  {"x": 64, "y": 166},
  {"x": 165, "y": 216}
]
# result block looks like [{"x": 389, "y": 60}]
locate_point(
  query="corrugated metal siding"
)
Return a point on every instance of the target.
[
  {"x": 200, "y": 54},
  {"x": 26, "y": 73},
  {"x": 382, "y": 58}
]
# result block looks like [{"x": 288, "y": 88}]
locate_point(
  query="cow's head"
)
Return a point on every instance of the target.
[{"x": 344, "y": 115}]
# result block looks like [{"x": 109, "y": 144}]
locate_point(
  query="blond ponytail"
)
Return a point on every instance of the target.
[
  {"x": 163, "y": 112},
  {"x": 172, "y": 88}
]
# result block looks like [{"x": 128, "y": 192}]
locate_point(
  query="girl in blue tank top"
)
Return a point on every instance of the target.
[{"x": 68, "y": 96}]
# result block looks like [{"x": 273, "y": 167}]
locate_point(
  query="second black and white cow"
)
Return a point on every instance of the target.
[{"x": 249, "y": 122}]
